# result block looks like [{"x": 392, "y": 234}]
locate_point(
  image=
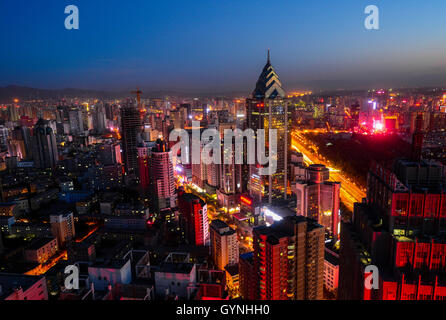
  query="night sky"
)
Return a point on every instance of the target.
[{"x": 206, "y": 45}]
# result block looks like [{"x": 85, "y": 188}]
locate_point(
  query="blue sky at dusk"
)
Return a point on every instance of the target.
[{"x": 211, "y": 45}]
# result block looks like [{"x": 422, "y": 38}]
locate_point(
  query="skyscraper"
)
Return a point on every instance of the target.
[
  {"x": 224, "y": 245},
  {"x": 130, "y": 126},
  {"x": 318, "y": 198},
  {"x": 161, "y": 176},
  {"x": 76, "y": 121},
  {"x": 195, "y": 218},
  {"x": 289, "y": 259},
  {"x": 248, "y": 285},
  {"x": 267, "y": 109},
  {"x": 44, "y": 145}
]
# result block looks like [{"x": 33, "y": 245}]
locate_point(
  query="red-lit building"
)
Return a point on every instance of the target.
[
  {"x": 288, "y": 260},
  {"x": 161, "y": 176},
  {"x": 194, "y": 217},
  {"x": 211, "y": 285},
  {"x": 400, "y": 229},
  {"x": 247, "y": 279}
]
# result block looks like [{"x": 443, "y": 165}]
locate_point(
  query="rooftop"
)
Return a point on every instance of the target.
[{"x": 11, "y": 281}]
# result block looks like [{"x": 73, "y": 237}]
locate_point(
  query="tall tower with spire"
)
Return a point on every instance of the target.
[{"x": 267, "y": 109}]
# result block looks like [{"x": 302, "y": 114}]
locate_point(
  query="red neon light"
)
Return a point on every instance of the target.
[{"x": 246, "y": 200}]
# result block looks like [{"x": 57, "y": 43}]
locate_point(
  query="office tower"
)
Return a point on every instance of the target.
[
  {"x": 401, "y": 230},
  {"x": 161, "y": 176},
  {"x": 417, "y": 139},
  {"x": 267, "y": 109},
  {"x": 289, "y": 259},
  {"x": 224, "y": 245},
  {"x": 4, "y": 137},
  {"x": 99, "y": 121},
  {"x": 199, "y": 174},
  {"x": 144, "y": 171},
  {"x": 213, "y": 175},
  {"x": 44, "y": 145},
  {"x": 144, "y": 151},
  {"x": 130, "y": 126},
  {"x": 21, "y": 142},
  {"x": 62, "y": 226},
  {"x": 247, "y": 277},
  {"x": 76, "y": 122},
  {"x": 228, "y": 194},
  {"x": 195, "y": 219},
  {"x": 318, "y": 199}
]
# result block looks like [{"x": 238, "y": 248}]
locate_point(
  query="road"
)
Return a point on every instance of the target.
[{"x": 350, "y": 191}]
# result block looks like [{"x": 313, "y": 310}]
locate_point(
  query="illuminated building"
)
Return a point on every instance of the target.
[
  {"x": 247, "y": 277},
  {"x": 331, "y": 270},
  {"x": 267, "y": 109},
  {"x": 76, "y": 122},
  {"x": 162, "y": 180},
  {"x": 109, "y": 153},
  {"x": 144, "y": 172},
  {"x": 289, "y": 260},
  {"x": 224, "y": 245},
  {"x": 211, "y": 285},
  {"x": 400, "y": 229},
  {"x": 8, "y": 210},
  {"x": 199, "y": 174},
  {"x": 40, "y": 250},
  {"x": 44, "y": 145},
  {"x": 21, "y": 142},
  {"x": 22, "y": 287},
  {"x": 130, "y": 126},
  {"x": 318, "y": 198},
  {"x": 62, "y": 226},
  {"x": 195, "y": 218},
  {"x": 230, "y": 181}
]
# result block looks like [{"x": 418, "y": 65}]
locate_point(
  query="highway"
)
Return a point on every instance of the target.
[{"x": 350, "y": 191}]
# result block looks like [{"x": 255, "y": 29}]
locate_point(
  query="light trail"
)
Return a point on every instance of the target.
[{"x": 350, "y": 192}]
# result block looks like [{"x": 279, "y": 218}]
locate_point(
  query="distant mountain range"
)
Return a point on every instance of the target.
[{"x": 8, "y": 93}]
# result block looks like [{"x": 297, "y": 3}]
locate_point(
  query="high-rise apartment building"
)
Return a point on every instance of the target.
[
  {"x": 161, "y": 176},
  {"x": 289, "y": 259},
  {"x": 62, "y": 226},
  {"x": 195, "y": 219},
  {"x": 76, "y": 122},
  {"x": 224, "y": 245},
  {"x": 44, "y": 145},
  {"x": 130, "y": 126},
  {"x": 247, "y": 277}
]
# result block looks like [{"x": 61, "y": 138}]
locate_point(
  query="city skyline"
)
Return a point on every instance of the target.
[
  {"x": 191, "y": 47},
  {"x": 137, "y": 187}
]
